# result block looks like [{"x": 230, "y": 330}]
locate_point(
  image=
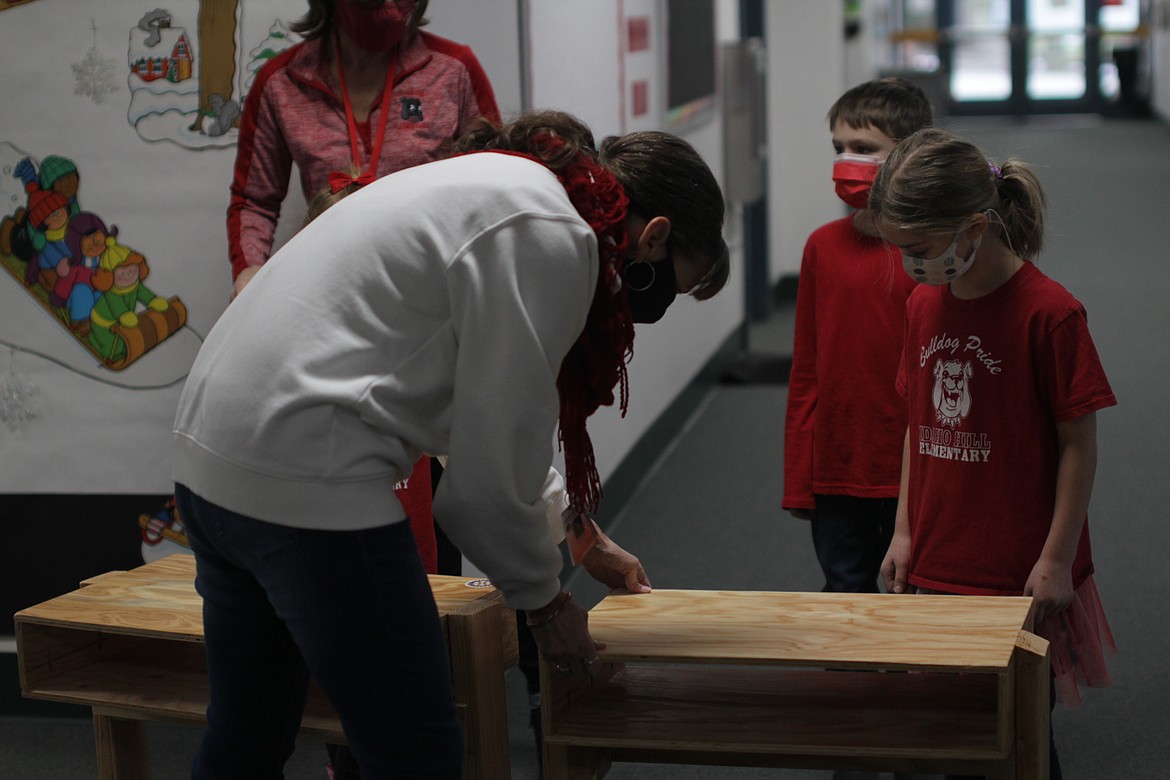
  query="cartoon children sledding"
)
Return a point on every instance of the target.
[{"x": 71, "y": 263}]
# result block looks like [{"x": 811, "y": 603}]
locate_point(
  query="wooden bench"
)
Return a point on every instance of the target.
[
  {"x": 130, "y": 646},
  {"x": 806, "y": 680}
]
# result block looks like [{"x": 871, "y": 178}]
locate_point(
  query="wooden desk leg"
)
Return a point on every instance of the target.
[
  {"x": 475, "y": 642},
  {"x": 1032, "y": 707},
  {"x": 121, "y": 748},
  {"x": 559, "y": 692}
]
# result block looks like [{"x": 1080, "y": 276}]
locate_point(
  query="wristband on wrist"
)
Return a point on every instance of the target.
[{"x": 554, "y": 609}]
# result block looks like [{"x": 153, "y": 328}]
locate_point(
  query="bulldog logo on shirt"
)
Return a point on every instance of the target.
[{"x": 952, "y": 391}]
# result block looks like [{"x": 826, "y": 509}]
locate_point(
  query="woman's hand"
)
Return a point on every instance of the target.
[
  {"x": 561, "y": 631},
  {"x": 1051, "y": 588},
  {"x": 613, "y": 567}
]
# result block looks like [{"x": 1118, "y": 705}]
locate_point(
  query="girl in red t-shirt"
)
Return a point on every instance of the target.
[{"x": 1002, "y": 383}]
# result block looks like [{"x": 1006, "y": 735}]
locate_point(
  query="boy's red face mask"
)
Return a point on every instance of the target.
[{"x": 853, "y": 175}]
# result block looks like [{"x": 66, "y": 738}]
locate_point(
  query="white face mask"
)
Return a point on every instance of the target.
[{"x": 942, "y": 269}]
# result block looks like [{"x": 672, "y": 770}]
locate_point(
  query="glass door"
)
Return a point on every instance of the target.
[
  {"x": 1057, "y": 66},
  {"x": 1122, "y": 37},
  {"x": 1021, "y": 56},
  {"x": 976, "y": 51}
]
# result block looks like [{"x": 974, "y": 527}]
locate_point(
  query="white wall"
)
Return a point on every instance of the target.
[
  {"x": 806, "y": 73},
  {"x": 492, "y": 29}
]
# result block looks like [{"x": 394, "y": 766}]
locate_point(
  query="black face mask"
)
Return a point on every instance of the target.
[{"x": 652, "y": 288}]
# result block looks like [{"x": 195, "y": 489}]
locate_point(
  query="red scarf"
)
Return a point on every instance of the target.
[{"x": 596, "y": 363}]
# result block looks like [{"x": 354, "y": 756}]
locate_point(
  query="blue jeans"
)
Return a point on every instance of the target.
[
  {"x": 354, "y": 609},
  {"x": 851, "y": 536}
]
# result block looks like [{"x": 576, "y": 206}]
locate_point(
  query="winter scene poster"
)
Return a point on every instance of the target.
[{"x": 116, "y": 154}]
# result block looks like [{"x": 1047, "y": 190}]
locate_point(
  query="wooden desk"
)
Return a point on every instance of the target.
[
  {"x": 808, "y": 680},
  {"x": 130, "y": 645}
]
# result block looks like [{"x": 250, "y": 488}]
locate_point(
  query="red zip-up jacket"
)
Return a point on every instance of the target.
[{"x": 293, "y": 114}]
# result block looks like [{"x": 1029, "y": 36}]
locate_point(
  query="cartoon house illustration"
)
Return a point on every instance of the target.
[{"x": 168, "y": 58}]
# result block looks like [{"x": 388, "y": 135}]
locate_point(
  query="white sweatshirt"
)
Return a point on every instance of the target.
[{"x": 428, "y": 312}]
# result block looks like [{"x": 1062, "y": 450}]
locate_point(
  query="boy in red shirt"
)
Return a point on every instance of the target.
[{"x": 845, "y": 420}]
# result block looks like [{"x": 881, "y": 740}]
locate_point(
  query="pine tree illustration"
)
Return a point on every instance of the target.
[{"x": 279, "y": 38}]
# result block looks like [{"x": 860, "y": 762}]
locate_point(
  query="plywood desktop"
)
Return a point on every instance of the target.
[
  {"x": 880, "y": 682},
  {"x": 130, "y": 646}
]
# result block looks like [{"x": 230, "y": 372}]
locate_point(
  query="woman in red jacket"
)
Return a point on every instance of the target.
[{"x": 364, "y": 95}]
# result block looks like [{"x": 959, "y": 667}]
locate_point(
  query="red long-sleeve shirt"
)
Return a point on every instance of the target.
[{"x": 846, "y": 421}]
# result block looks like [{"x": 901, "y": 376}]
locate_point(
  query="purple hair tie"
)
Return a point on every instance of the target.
[{"x": 996, "y": 171}]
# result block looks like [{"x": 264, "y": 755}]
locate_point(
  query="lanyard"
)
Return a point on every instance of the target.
[{"x": 338, "y": 180}]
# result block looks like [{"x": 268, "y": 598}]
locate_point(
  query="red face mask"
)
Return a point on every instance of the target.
[
  {"x": 375, "y": 29},
  {"x": 854, "y": 175}
]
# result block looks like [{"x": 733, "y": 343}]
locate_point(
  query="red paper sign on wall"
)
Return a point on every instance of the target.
[
  {"x": 638, "y": 33},
  {"x": 640, "y": 97}
]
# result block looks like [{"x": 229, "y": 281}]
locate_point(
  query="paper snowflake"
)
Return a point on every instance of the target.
[
  {"x": 17, "y": 402},
  {"x": 96, "y": 76}
]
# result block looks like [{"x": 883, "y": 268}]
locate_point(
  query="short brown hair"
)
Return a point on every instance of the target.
[{"x": 894, "y": 105}]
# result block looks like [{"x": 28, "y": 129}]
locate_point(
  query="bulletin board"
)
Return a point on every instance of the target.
[{"x": 116, "y": 152}]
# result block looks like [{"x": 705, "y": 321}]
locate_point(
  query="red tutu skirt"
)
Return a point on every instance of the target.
[{"x": 1079, "y": 642}]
